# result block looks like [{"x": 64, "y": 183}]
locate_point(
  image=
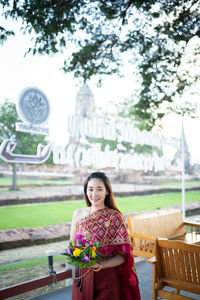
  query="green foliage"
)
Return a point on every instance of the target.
[
  {"x": 26, "y": 142},
  {"x": 148, "y": 149},
  {"x": 49, "y": 161},
  {"x": 153, "y": 34},
  {"x": 112, "y": 144},
  {"x": 126, "y": 147},
  {"x": 4, "y": 34},
  {"x": 85, "y": 251}
]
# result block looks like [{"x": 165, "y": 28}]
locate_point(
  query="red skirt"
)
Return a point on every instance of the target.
[{"x": 102, "y": 285}]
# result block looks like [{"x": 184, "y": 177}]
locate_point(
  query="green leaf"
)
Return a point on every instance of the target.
[{"x": 87, "y": 250}]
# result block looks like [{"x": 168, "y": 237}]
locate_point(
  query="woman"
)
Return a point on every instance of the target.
[{"x": 114, "y": 277}]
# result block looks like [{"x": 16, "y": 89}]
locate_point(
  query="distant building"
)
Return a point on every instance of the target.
[
  {"x": 85, "y": 103},
  {"x": 187, "y": 157},
  {"x": 85, "y": 106}
]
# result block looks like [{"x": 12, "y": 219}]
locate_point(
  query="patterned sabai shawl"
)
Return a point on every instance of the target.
[{"x": 107, "y": 226}]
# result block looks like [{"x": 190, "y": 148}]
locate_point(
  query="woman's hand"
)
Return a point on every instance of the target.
[
  {"x": 109, "y": 262},
  {"x": 97, "y": 266}
]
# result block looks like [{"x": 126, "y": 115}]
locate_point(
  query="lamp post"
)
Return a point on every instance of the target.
[{"x": 183, "y": 170}]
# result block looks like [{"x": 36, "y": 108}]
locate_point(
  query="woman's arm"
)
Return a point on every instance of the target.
[
  {"x": 73, "y": 227},
  {"x": 78, "y": 214},
  {"x": 111, "y": 262}
]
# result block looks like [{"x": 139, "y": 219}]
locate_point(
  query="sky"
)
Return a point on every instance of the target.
[{"x": 44, "y": 72}]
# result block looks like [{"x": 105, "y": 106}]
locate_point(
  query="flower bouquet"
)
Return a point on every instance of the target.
[{"x": 81, "y": 255}]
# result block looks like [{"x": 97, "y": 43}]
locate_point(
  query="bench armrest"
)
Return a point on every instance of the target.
[
  {"x": 175, "y": 236},
  {"x": 141, "y": 236},
  {"x": 151, "y": 260},
  {"x": 191, "y": 224}
]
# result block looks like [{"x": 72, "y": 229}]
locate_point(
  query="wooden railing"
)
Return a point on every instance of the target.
[
  {"x": 36, "y": 283},
  {"x": 31, "y": 285}
]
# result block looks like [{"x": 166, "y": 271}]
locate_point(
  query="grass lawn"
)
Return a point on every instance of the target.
[
  {"x": 44, "y": 214},
  {"x": 38, "y": 182},
  {"x": 178, "y": 184}
]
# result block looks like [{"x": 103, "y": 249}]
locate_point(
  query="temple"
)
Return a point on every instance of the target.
[{"x": 85, "y": 103}]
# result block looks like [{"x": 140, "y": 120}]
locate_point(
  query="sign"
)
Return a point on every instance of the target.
[
  {"x": 6, "y": 153},
  {"x": 80, "y": 152},
  {"x": 33, "y": 108}
]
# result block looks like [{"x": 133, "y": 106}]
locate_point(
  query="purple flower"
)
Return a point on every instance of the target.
[
  {"x": 83, "y": 241},
  {"x": 79, "y": 236},
  {"x": 68, "y": 251},
  {"x": 85, "y": 259}
]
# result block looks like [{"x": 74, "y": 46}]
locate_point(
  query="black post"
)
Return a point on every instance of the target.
[{"x": 50, "y": 263}]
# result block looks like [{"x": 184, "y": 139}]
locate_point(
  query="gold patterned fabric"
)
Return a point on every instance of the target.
[{"x": 106, "y": 226}]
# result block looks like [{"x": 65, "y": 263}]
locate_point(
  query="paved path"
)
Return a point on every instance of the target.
[
  {"x": 41, "y": 192},
  {"x": 26, "y": 253},
  {"x": 77, "y": 190}
]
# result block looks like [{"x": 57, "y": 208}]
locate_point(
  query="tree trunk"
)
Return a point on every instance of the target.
[{"x": 14, "y": 178}]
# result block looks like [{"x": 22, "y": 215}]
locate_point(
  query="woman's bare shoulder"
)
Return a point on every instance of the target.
[{"x": 81, "y": 213}]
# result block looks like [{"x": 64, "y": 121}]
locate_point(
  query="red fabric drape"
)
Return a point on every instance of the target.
[{"x": 102, "y": 285}]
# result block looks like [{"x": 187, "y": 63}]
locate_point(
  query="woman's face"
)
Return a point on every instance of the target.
[{"x": 96, "y": 192}]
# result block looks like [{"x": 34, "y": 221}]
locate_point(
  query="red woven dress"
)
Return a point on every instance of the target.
[{"x": 119, "y": 283}]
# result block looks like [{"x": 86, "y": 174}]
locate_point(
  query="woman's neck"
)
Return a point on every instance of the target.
[{"x": 95, "y": 208}]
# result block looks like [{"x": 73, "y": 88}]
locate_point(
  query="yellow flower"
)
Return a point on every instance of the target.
[
  {"x": 93, "y": 253},
  {"x": 77, "y": 252},
  {"x": 94, "y": 248}
]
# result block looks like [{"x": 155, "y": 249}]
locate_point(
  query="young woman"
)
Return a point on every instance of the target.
[{"x": 114, "y": 277}]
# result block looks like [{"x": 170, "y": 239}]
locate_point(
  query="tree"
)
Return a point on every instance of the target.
[
  {"x": 105, "y": 34},
  {"x": 25, "y": 143}
]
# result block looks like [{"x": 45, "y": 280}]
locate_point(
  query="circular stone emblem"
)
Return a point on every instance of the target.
[{"x": 33, "y": 106}]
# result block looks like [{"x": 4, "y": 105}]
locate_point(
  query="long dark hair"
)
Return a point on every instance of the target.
[{"x": 109, "y": 199}]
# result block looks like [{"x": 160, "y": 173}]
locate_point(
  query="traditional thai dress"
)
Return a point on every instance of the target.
[{"x": 117, "y": 283}]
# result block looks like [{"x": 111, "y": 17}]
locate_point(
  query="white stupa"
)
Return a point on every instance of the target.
[{"x": 85, "y": 103}]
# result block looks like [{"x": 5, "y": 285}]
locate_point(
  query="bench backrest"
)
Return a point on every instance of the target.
[
  {"x": 178, "y": 261},
  {"x": 161, "y": 223}
]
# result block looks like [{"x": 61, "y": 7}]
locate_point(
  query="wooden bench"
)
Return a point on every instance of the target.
[
  {"x": 176, "y": 265},
  {"x": 146, "y": 227}
]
